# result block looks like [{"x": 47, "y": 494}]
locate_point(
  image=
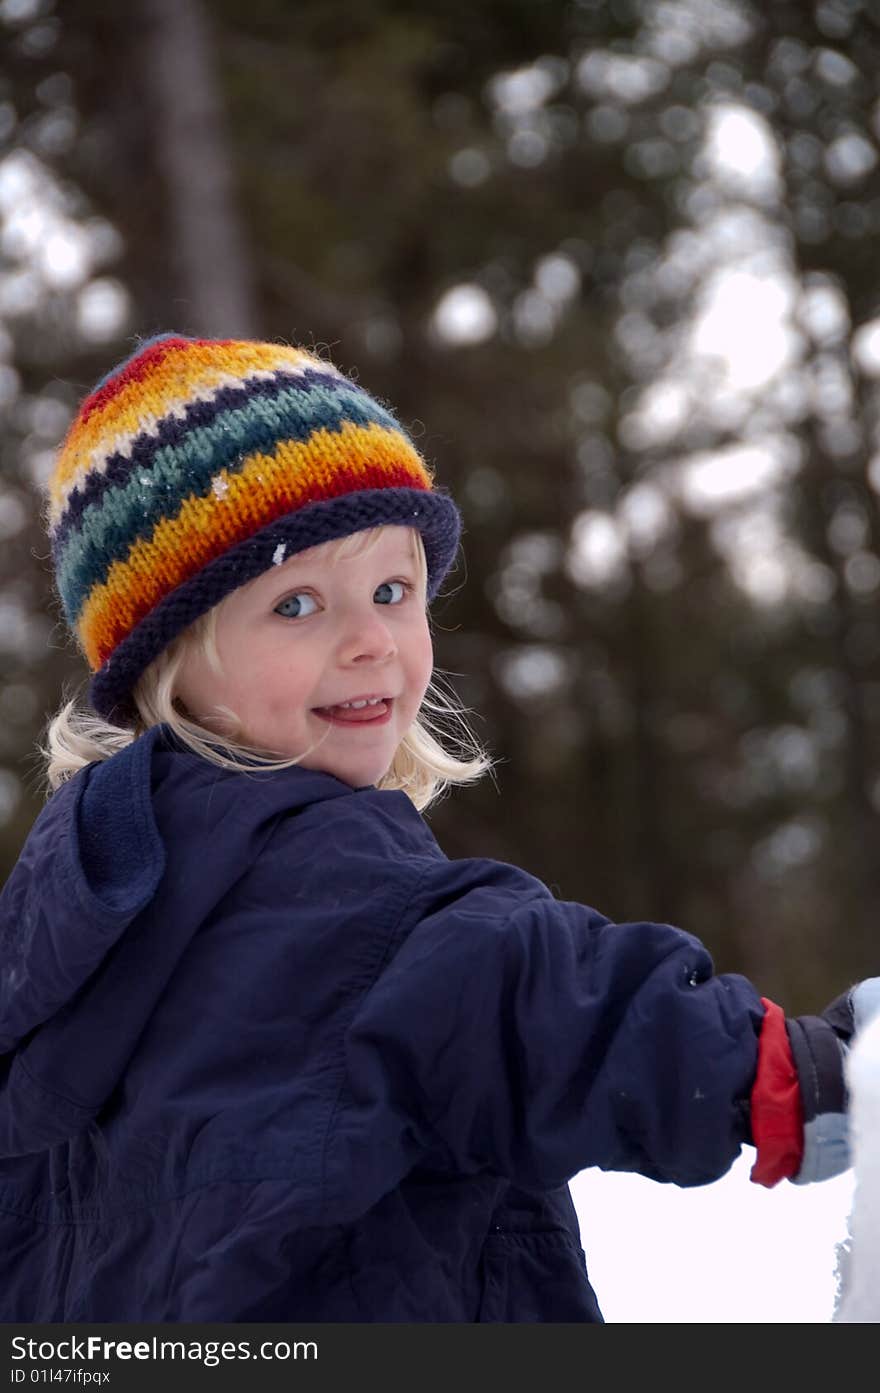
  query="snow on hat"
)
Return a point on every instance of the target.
[{"x": 194, "y": 466}]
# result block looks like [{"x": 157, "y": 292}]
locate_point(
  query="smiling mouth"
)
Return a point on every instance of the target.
[{"x": 369, "y": 711}]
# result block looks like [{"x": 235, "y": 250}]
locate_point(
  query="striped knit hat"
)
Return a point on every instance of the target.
[{"x": 197, "y": 464}]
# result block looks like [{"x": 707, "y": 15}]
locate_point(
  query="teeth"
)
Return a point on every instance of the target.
[{"x": 358, "y": 705}]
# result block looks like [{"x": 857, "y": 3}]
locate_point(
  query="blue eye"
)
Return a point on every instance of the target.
[
  {"x": 390, "y": 592},
  {"x": 296, "y": 606}
]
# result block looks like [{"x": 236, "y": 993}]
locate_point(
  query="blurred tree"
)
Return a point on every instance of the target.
[
  {"x": 193, "y": 156},
  {"x": 58, "y": 308}
]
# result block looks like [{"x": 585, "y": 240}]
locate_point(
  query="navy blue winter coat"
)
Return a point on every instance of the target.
[{"x": 267, "y": 1055}]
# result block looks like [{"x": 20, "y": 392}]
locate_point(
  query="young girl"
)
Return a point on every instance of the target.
[{"x": 265, "y": 1053}]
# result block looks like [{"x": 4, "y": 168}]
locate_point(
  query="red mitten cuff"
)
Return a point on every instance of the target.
[{"x": 776, "y": 1107}]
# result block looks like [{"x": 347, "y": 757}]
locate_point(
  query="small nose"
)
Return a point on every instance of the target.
[{"x": 369, "y": 640}]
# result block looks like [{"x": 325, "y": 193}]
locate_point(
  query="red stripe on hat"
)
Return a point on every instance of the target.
[{"x": 138, "y": 367}]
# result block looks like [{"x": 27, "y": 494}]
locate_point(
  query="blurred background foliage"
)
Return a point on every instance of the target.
[{"x": 614, "y": 263}]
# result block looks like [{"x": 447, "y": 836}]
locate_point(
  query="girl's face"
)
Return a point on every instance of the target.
[{"x": 325, "y": 656}]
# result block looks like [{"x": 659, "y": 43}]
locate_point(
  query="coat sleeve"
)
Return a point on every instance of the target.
[{"x": 515, "y": 1034}]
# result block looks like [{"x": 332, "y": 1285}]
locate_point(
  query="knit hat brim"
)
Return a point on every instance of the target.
[{"x": 432, "y": 513}]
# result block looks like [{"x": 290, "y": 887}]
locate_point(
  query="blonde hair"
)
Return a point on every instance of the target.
[{"x": 422, "y": 767}]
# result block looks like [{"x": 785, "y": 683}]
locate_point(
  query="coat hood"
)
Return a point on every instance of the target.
[{"x": 81, "y": 965}]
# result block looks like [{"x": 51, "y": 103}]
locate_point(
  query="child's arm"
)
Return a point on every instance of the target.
[{"x": 533, "y": 1039}]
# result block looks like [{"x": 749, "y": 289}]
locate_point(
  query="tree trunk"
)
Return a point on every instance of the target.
[{"x": 214, "y": 280}]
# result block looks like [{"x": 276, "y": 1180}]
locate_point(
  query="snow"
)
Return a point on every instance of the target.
[
  {"x": 859, "y": 1252},
  {"x": 728, "y": 1252},
  {"x": 736, "y": 1252}
]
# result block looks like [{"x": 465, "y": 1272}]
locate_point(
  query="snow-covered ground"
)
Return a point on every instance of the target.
[{"x": 731, "y": 1251}]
